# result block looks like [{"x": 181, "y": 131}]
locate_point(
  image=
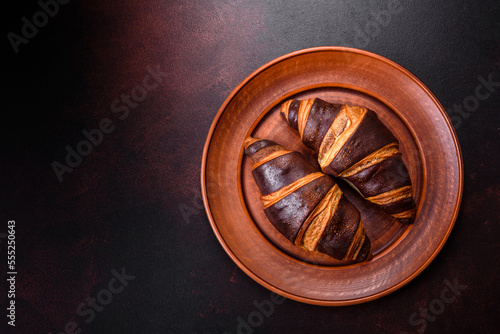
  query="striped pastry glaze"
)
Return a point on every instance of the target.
[
  {"x": 352, "y": 143},
  {"x": 305, "y": 205}
]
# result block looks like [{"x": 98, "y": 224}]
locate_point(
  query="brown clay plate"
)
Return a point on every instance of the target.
[{"x": 342, "y": 75}]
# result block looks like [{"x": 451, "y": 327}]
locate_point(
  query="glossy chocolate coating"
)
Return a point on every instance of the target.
[
  {"x": 320, "y": 118},
  {"x": 381, "y": 177},
  {"x": 340, "y": 231},
  {"x": 289, "y": 214},
  {"x": 282, "y": 171},
  {"x": 366, "y": 139}
]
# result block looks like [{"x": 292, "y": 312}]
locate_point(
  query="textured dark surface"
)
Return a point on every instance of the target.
[{"x": 134, "y": 201}]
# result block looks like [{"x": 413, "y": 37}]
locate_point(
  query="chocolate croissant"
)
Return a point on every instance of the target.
[
  {"x": 305, "y": 205},
  {"x": 352, "y": 143}
]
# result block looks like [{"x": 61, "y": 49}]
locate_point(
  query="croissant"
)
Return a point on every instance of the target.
[
  {"x": 305, "y": 205},
  {"x": 353, "y": 144}
]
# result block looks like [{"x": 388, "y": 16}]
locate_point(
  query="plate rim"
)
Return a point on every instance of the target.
[{"x": 314, "y": 301}]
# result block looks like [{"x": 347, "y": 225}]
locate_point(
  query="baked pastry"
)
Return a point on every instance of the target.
[
  {"x": 352, "y": 143},
  {"x": 305, "y": 205}
]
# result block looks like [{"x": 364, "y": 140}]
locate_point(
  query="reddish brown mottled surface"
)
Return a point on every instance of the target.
[{"x": 134, "y": 201}]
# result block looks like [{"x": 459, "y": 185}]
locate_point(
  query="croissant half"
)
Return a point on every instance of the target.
[
  {"x": 352, "y": 143},
  {"x": 305, "y": 205}
]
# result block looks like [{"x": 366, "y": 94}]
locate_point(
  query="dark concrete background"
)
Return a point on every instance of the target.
[{"x": 133, "y": 203}]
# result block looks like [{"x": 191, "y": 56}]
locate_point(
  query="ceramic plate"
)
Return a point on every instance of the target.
[{"x": 341, "y": 75}]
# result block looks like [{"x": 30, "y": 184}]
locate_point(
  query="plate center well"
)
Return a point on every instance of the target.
[{"x": 383, "y": 230}]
